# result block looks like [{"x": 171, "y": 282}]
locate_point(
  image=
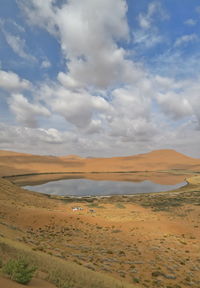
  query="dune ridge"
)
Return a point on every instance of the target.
[{"x": 13, "y": 163}]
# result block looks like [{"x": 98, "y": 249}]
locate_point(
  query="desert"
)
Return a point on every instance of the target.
[
  {"x": 141, "y": 240},
  {"x": 99, "y": 144}
]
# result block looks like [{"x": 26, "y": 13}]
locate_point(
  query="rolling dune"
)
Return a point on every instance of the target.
[{"x": 12, "y": 163}]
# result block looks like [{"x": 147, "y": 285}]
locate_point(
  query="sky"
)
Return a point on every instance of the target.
[{"x": 100, "y": 78}]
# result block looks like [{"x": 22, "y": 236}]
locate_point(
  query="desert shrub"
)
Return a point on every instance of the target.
[
  {"x": 95, "y": 205},
  {"x": 119, "y": 205},
  {"x": 136, "y": 280},
  {"x": 19, "y": 270}
]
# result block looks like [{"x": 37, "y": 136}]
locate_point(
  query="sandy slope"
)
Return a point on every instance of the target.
[
  {"x": 35, "y": 283},
  {"x": 128, "y": 242},
  {"x": 12, "y": 163}
]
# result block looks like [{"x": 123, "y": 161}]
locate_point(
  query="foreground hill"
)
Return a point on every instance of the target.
[
  {"x": 144, "y": 240},
  {"x": 129, "y": 242},
  {"x": 12, "y": 163}
]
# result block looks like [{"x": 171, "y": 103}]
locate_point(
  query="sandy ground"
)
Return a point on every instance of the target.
[
  {"x": 150, "y": 240},
  {"x": 153, "y": 239}
]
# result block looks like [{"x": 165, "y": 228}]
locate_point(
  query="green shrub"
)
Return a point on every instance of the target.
[
  {"x": 119, "y": 205},
  {"x": 19, "y": 270},
  {"x": 136, "y": 280}
]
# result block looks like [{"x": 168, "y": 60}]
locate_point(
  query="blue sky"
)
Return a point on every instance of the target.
[{"x": 99, "y": 78}]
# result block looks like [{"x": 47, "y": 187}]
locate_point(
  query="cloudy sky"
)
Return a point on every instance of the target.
[{"x": 100, "y": 77}]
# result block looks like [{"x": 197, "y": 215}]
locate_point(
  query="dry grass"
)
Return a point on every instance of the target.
[{"x": 62, "y": 273}]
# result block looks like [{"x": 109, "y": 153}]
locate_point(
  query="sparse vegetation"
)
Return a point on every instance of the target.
[
  {"x": 119, "y": 205},
  {"x": 111, "y": 241},
  {"x": 62, "y": 273}
]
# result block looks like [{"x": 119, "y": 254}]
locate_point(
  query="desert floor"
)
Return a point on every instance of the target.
[{"x": 150, "y": 240}]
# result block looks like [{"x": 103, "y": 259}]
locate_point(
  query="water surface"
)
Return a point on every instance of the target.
[{"x": 85, "y": 187}]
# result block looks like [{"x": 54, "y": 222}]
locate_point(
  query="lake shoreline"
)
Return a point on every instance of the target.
[{"x": 98, "y": 175}]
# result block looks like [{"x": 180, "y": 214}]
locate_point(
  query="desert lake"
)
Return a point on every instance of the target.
[{"x": 100, "y": 185}]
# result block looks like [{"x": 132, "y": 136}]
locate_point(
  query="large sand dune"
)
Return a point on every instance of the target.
[{"x": 12, "y": 163}]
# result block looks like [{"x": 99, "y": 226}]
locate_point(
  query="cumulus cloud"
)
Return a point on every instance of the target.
[
  {"x": 25, "y": 111},
  {"x": 89, "y": 35},
  {"x": 52, "y": 141},
  {"x": 101, "y": 96},
  {"x": 130, "y": 117},
  {"x": 78, "y": 107},
  {"x": 67, "y": 81},
  {"x": 179, "y": 99},
  {"x": 10, "y": 81},
  {"x": 175, "y": 105},
  {"x": 24, "y": 137}
]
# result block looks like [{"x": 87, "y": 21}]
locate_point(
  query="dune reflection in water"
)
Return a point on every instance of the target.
[{"x": 85, "y": 187}]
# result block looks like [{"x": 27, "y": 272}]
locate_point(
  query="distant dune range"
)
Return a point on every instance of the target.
[{"x": 13, "y": 163}]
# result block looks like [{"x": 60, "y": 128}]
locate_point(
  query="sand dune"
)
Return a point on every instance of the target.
[{"x": 12, "y": 163}]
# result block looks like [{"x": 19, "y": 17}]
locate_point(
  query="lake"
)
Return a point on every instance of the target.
[{"x": 91, "y": 187}]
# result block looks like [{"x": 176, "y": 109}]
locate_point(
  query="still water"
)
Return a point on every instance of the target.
[{"x": 85, "y": 187}]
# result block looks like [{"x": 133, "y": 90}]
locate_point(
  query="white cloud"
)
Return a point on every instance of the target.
[
  {"x": 78, "y": 107},
  {"x": 18, "y": 27},
  {"x": 102, "y": 97},
  {"x": 40, "y": 13},
  {"x": 67, "y": 81},
  {"x": 51, "y": 141},
  {"x": 147, "y": 39},
  {"x": 148, "y": 34},
  {"x": 175, "y": 105},
  {"x": 24, "y": 137},
  {"x": 25, "y": 111},
  {"x": 95, "y": 126},
  {"x": 130, "y": 117},
  {"x": 18, "y": 45},
  {"x": 88, "y": 34},
  {"x": 45, "y": 64},
  {"x": 154, "y": 11},
  {"x": 179, "y": 100},
  {"x": 51, "y": 135},
  {"x": 185, "y": 39},
  {"x": 173, "y": 64},
  {"x": 10, "y": 81},
  {"x": 190, "y": 22}
]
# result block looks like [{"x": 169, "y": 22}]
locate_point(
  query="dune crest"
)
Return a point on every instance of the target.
[{"x": 13, "y": 163}]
